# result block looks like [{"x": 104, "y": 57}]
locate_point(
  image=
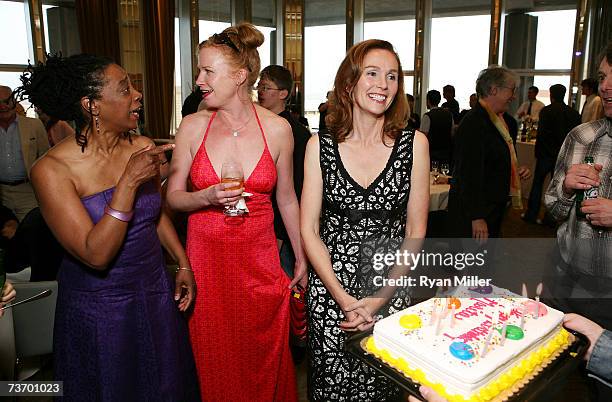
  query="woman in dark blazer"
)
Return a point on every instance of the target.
[{"x": 485, "y": 171}]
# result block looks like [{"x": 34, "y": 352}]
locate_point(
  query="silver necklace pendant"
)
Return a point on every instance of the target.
[{"x": 235, "y": 133}]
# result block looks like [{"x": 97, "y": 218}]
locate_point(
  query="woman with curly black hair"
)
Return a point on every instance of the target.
[{"x": 119, "y": 334}]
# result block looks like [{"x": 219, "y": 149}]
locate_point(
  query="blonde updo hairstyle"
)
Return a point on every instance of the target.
[{"x": 247, "y": 39}]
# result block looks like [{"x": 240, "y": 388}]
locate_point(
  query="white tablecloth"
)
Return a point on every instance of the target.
[
  {"x": 525, "y": 154},
  {"x": 438, "y": 197}
]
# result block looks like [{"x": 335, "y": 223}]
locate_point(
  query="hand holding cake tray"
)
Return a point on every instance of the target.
[{"x": 473, "y": 346}]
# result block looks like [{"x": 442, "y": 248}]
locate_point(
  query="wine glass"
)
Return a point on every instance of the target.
[
  {"x": 231, "y": 172},
  {"x": 435, "y": 171},
  {"x": 445, "y": 169}
]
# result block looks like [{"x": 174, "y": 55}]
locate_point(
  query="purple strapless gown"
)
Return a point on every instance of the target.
[{"x": 119, "y": 335}]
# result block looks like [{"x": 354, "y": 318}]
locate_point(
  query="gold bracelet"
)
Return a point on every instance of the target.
[{"x": 184, "y": 268}]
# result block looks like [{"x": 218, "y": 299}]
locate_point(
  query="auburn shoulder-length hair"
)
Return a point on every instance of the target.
[{"x": 339, "y": 119}]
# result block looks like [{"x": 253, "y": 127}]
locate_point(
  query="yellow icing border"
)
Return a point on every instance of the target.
[{"x": 517, "y": 372}]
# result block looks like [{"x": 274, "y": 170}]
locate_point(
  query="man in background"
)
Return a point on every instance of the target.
[
  {"x": 323, "y": 111},
  {"x": 582, "y": 281},
  {"x": 473, "y": 102},
  {"x": 273, "y": 91},
  {"x": 192, "y": 101},
  {"x": 530, "y": 109},
  {"x": 22, "y": 141},
  {"x": 592, "y": 109},
  {"x": 437, "y": 124},
  {"x": 451, "y": 104},
  {"x": 556, "y": 120},
  {"x": 414, "y": 120}
]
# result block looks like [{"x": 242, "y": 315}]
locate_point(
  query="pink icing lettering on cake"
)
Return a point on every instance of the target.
[{"x": 476, "y": 308}]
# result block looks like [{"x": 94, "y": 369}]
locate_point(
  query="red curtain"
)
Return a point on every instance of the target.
[
  {"x": 98, "y": 27},
  {"x": 158, "y": 34}
]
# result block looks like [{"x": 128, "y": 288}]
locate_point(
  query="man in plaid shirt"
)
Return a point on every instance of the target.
[{"x": 583, "y": 277}]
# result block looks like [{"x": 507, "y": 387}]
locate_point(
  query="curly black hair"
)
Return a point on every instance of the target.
[{"x": 58, "y": 86}]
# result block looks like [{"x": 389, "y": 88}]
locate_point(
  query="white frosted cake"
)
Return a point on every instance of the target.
[{"x": 463, "y": 358}]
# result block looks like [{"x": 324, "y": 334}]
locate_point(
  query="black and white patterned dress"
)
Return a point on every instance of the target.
[{"x": 356, "y": 222}]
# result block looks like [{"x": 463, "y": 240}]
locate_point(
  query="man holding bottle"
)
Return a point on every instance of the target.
[{"x": 583, "y": 275}]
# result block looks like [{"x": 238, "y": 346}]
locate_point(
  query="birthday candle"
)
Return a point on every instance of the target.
[
  {"x": 503, "y": 333},
  {"x": 524, "y": 308},
  {"x": 489, "y": 335},
  {"x": 523, "y": 313},
  {"x": 439, "y": 323},
  {"x": 537, "y": 299},
  {"x": 444, "y": 309},
  {"x": 434, "y": 314}
]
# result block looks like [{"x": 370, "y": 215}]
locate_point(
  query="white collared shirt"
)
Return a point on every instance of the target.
[
  {"x": 12, "y": 165},
  {"x": 536, "y": 106}
]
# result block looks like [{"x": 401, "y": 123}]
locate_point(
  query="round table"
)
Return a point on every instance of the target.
[{"x": 438, "y": 197}]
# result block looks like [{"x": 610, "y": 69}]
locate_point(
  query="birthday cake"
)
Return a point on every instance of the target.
[{"x": 471, "y": 347}]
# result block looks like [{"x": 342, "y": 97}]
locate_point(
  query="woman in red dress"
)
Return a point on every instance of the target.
[{"x": 240, "y": 323}]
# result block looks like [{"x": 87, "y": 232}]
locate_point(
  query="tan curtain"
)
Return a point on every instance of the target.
[
  {"x": 98, "y": 28},
  {"x": 158, "y": 30}
]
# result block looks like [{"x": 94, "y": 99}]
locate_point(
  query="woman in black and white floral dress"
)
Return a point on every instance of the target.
[{"x": 366, "y": 183}]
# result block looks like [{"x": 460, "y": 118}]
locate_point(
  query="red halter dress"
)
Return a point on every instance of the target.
[{"x": 240, "y": 324}]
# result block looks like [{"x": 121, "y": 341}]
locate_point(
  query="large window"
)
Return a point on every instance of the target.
[
  {"x": 16, "y": 48},
  {"x": 265, "y": 50},
  {"x": 61, "y": 28},
  {"x": 399, "y": 33},
  {"x": 214, "y": 17},
  {"x": 554, "y": 48},
  {"x": 455, "y": 28},
  {"x": 325, "y": 47},
  {"x": 555, "y": 39},
  {"x": 538, "y": 44},
  {"x": 264, "y": 18},
  {"x": 209, "y": 28},
  {"x": 394, "y": 22},
  {"x": 178, "y": 93},
  {"x": 544, "y": 82}
]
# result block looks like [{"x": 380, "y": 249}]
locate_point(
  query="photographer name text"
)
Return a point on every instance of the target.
[{"x": 425, "y": 281}]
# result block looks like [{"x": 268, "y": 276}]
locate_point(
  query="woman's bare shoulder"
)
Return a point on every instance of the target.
[
  {"x": 420, "y": 139},
  {"x": 274, "y": 125},
  {"x": 193, "y": 125},
  {"x": 55, "y": 164}
]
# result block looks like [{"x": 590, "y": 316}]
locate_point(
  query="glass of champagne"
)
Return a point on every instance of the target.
[
  {"x": 435, "y": 171},
  {"x": 231, "y": 172},
  {"x": 445, "y": 169}
]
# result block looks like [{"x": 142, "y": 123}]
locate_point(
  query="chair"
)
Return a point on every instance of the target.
[
  {"x": 7, "y": 346},
  {"x": 21, "y": 276},
  {"x": 33, "y": 324}
]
